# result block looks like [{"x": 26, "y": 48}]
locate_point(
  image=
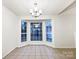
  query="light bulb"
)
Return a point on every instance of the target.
[
  {"x": 38, "y": 14},
  {"x": 35, "y": 9},
  {"x": 31, "y": 10},
  {"x": 33, "y": 14},
  {"x": 40, "y": 11}
]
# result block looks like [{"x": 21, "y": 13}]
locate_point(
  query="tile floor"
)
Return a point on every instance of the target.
[{"x": 41, "y": 52}]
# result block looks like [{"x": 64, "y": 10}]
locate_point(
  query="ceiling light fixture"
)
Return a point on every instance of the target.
[{"x": 35, "y": 11}]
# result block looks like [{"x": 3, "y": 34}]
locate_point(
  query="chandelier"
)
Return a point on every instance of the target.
[{"x": 35, "y": 12}]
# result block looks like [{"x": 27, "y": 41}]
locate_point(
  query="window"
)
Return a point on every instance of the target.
[
  {"x": 23, "y": 30},
  {"x": 48, "y": 31},
  {"x": 36, "y": 31}
]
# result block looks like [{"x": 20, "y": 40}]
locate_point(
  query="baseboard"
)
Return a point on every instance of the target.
[{"x": 8, "y": 52}]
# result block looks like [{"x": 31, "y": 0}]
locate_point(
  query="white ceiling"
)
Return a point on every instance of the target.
[{"x": 49, "y": 7}]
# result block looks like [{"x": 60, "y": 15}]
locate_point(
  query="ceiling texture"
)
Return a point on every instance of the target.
[{"x": 48, "y": 7}]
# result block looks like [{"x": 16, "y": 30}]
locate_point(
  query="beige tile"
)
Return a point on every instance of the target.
[
  {"x": 19, "y": 57},
  {"x": 38, "y": 53},
  {"x": 25, "y": 57},
  {"x": 44, "y": 57},
  {"x": 32, "y": 54},
  {"x": 10, "y": 57},
  {"x": 50, "y": 57},
  {"x": 22, "y": 57},
  {"x": 38, "y": 57},
  {"x": 41, "y": 52},
  {"x": 31, "y": 57}
]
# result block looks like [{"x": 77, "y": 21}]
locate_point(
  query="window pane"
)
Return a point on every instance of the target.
[
  {"x": 23, "y": 26},
  {"x": 36, "y": 31},
  {"x": 23, "y": 37},
  {"x": 23, "y": 30},
  {"x": 48, "y": 31}
]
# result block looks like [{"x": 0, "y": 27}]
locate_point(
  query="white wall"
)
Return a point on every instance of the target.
[
  {"x": 9, "y": 34},
  {"x": 65, "y": 29}
]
